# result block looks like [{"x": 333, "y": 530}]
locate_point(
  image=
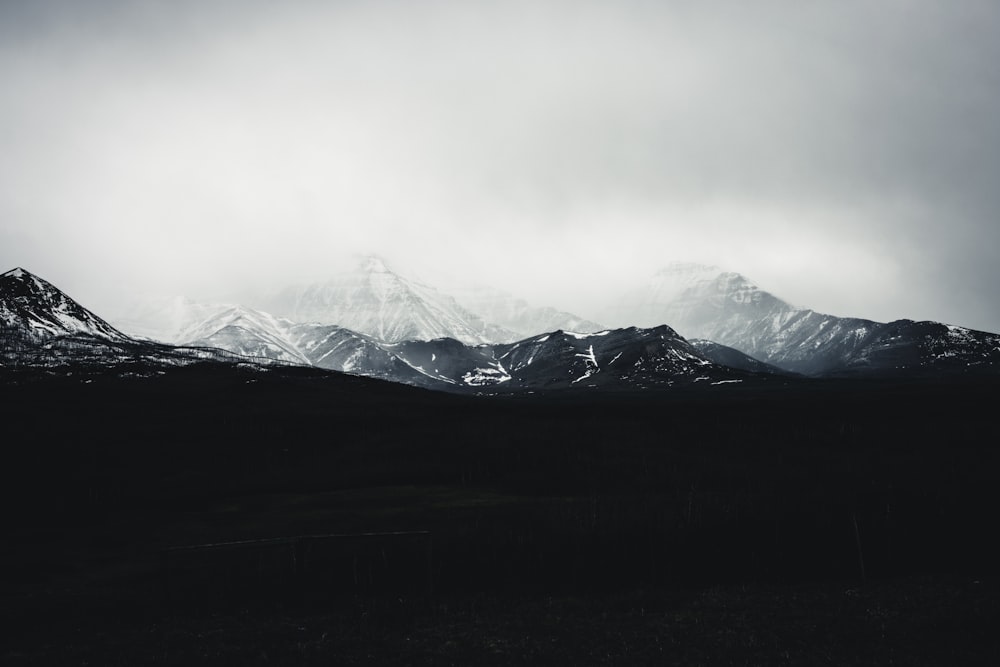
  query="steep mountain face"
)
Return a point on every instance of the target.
[
  {"x": 39, "y": 309},
  {"x": 373, "y": 300},
  {"x": 517, "y": 315}
]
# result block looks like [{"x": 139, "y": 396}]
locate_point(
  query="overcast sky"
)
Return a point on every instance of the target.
[{"x": 844, "y": 155}]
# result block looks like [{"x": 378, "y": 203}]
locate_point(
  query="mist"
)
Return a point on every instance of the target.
[{"x": 843, "y": 155}]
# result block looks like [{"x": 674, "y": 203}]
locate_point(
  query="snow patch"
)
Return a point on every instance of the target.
[
  {"x": 486, "y": 376},
  {"x": 591, "y": 361},
  {"x": 580, "y": 336}
]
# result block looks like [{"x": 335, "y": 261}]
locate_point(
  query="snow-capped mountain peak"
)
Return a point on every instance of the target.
[
  {"x": 38, "y": 308},
  {"x": 372, "y": 299}
]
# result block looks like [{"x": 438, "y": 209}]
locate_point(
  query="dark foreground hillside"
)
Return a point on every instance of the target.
[{"x": 808, "y": 523}]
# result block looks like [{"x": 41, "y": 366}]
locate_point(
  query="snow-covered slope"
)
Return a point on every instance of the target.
[
  {"x": 246, "y": 332},
  {"x": 731, "y": 310},
  {"x": 727, "y": 308},
  {"x": 39, "y": 309},
  {"x": 373, "y": 300}
]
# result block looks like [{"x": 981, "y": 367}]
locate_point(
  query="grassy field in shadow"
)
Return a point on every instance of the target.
[{"x": 803, "y": 523}]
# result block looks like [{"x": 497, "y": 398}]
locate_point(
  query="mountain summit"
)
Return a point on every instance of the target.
[{"x": 372, "y": 299}]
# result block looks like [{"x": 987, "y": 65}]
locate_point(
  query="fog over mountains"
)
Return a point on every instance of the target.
[{"x": 689, "y": 324}]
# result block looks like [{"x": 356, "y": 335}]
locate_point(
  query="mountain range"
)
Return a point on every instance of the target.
[
  {"x": 407, "y": 331},
  {"x": 50, "y": 329}
]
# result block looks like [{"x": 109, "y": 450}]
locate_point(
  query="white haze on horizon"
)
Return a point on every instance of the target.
[{"x": 843, "y": 155}]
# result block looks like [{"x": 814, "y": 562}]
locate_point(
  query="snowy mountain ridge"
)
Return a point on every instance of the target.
[{"x": 728, "y": 309}]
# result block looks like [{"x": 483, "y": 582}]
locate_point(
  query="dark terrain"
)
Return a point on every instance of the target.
[{"x": 795, "y": 522}]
